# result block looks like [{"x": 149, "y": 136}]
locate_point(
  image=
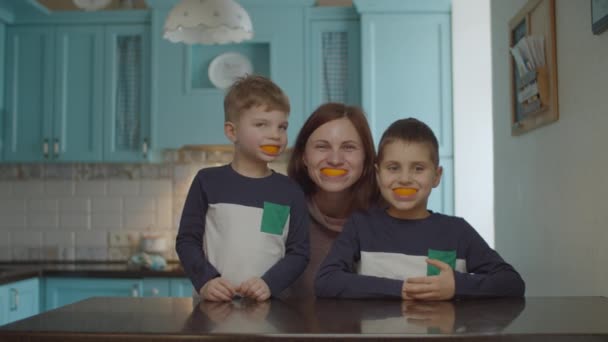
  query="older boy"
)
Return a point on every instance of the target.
[
  {"x": 404, "y": 250},
  {"x": 244, "y": 227}
]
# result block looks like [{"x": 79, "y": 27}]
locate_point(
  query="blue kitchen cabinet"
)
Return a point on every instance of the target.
[
  {"x": 334, "y": 56},
  {"x": 52, "y": 93},
  {"x": 2, "y": 71},
  {"x": 19, "y": 300},
  {"x": 156, "y": 287},
  {"x": 406, "y": 72},
  {"x": 60, "y": 291},
  {"x": 167, "y": 287},
  {"x": 3, "y": 305},
  {"x": 77, "y": 93},
  {"x": 181, "y": 287},
  {"x": 126, "y": 93}
]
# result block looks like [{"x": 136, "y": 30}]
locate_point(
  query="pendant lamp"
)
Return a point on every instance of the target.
[{"x": 208, "y": 22}]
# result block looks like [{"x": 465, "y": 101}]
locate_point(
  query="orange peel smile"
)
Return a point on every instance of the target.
[
  {"x": 405, "y": 191},
  {"x": 270, "y": 149},
  {"x": 333, "y": 172}
]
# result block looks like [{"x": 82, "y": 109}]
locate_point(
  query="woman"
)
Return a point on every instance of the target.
[{"x": 333, "y": 161}]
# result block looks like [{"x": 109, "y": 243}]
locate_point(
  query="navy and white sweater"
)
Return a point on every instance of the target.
[
  {"x": 238, "y": 227},
  {"x": 376, "y": 253}
]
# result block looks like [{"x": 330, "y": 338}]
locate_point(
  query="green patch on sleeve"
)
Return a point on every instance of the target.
[
  {"x": 449, "y": 257},
  {"x": 274, "y": 218}
]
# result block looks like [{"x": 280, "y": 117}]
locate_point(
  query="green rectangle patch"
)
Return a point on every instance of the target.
[
  {"x": 274, "y": 218},
  {"x": 449, "y": 257}
]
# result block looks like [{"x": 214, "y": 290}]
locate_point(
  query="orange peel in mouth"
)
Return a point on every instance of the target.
[
  {"x": 270, "y": 149},
  {"x": 405, "y": 191},
  {"x": 333, "y": 172}
]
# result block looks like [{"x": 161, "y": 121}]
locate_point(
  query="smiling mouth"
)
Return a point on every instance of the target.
[
  {"x": 405, "y": 191},
  {"x": 331, "y": 172},
  {"x": 270, "y": 149}
]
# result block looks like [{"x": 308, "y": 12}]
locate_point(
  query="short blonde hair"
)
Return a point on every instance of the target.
[{"x": 253, "y": 91}]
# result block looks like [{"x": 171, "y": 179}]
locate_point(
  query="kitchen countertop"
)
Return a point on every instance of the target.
[
  {"x": 15, "y": 272},
  {"x": 176, "y": 319}
]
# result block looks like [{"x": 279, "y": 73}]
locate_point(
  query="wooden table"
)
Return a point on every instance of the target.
[{"x": 177, "y": 319}]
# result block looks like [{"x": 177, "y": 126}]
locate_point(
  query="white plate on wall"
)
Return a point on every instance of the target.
[{"x": 227, "y": 67}]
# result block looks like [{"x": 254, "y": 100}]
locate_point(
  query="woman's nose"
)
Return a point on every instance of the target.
[{"x": 335, "y": 157}]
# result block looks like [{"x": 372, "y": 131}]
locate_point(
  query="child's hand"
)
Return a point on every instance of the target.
[
  {"x": 255, "y": 288},
  {"x": 218, "y": 290},
  {"x": 430, "y": 314},
  {"x": 438, "y": 287},
  {"x": 216, "y": 311}
]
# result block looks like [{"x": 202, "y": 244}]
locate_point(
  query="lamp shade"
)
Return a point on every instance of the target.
[{"x": 208, "y": 22}]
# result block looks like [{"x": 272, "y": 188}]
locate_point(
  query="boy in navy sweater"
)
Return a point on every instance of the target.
[
  {"x": 404, "y": 250},
  {"x": 244, "y": 228}
]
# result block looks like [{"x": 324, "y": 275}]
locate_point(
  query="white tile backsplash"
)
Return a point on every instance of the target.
[
  {"x": 92, "y": 239},
  {"x": 123, "y": 188},
  {"x": 28, "y": 189},
  {"x": 26, "y": 238},
  {"x": 91, "y": 188},
  {"x": 59, "y": 188},
  {"x": 140, "y": 221},
  {"x": 6, "y": 190},
  {"x": 75, "y": 205},
  {"x": 5, "y": 239},
  {"x": 12, "y": 206},
  {"x": 12, "y": 222},
  {"x": 68, "y": 212},
  {"x": 106, "y": 221},
  {"x": 51, "y": 239},
  {"x": 46, "y": 205},
  {"x": 107, "y": 205},
  {"x": 161, "y": 187},
  {"x": 74, "y": 222},
  {"x": 140, "y": 204},
  {"x": 42, "y": 220}
]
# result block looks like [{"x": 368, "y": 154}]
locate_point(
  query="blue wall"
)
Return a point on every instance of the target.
[{"x": 183, "y": 114}]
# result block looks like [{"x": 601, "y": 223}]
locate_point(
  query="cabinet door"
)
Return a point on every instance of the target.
[
  {"x": 77, "y": 124},
  {"x": 335, "y": 62},
  {"x": 406, "y": 72},
  {"x": 181, "y": 287},
  {"x": 126, "y": 103},
  {"x": 64, "y": 291},
  {"x": 156, "y": 287},
  {"x": 23, "y": 299},
  {"x": 29, "y": 93},
  {"x": 3, "y": 305}
]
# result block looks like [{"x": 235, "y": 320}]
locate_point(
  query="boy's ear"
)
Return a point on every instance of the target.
[
  {"x": 230, "y": 131},
  {"x": 438, "y": 175}
]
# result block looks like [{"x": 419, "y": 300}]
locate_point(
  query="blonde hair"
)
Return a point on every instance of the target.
[{"x": 252, "y": 91}]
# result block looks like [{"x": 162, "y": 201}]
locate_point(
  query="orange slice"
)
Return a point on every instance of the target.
[
  {"x": 405, "y": 191},
  {"x": 270, "y": 149},
  {"x": 333, "y": 172}
]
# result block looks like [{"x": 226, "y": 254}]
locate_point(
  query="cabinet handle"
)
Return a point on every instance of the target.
[
  {"x": 144, "y": 148},
  {"x": 56, "y": 148},
  {"x": 45, "y": 148},
  {"x": 135, "y": 290},
  {"x": 15, "y": 301}
]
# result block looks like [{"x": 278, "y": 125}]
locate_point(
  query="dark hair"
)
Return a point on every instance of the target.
[
  {"x": 364, "y": 189},
  {"x": 252, "y": 91},
  {"x": 410, "y": 130}
]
